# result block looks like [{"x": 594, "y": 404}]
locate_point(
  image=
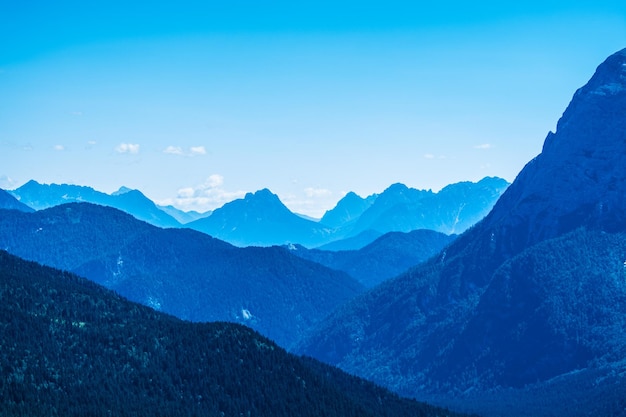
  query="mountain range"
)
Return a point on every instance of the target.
[
  {"x": 180, "y": 271},
  {"x": 69, "y": 347},
  {"x": 261, "y": 219},
  {"x": 525, "y": 313}
]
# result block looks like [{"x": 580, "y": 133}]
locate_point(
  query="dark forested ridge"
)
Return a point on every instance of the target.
[
  {"x": 521, "y": 310},
  {"x": 386, "y": 257},
  {"x": 180, "y": 271},
  {"x": 69, "y": 347}
]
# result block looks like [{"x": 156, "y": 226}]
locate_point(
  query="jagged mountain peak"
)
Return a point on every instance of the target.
[{"x": 578, "y": 179}]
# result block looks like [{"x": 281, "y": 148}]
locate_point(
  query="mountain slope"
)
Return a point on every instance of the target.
[
  {"x": 347, "y": 210},
  {"x": 184, "y": 217},
  {"x": 7, "y": 201},
  {"x": 260, "y": 219},
  {"x": 386, "y": 257},
  {"x": 180, "y": 271},
  {"x": 42, "y": 196},
  {"x": 71, "y": 348},
  {"x": 530, "y": 298}
]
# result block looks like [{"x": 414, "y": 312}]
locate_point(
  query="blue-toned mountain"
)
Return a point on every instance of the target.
[
  {"x": 452, "y": 210},
  {"x": 385, "y": 258},
  {"x": 524, "y": 313},
  {"x": 261, "y": 219},
  {"x": 72, "y": 348},
  {"x": 180, "y": 271},
  {"x": 42, "y": 196},
  {"x": 348, "y": 210},
  {"x": 7, "y": 201}
]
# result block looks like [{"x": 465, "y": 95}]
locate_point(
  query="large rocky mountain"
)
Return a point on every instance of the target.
[
  {"x": 385, "y": 258},
  {"x": 69, "y": 347},
  {"x": 525, "y": 313},
  {"x": 41, "y": 196},
  {"x": 180, "y": 271}
]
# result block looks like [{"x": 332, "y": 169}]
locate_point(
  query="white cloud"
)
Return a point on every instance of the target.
[
  {"x": 193, "y": 151},
  {"x": 59, "y": 148},
  {"x": 429, "y": 156},
  {"x": 483, "y": 146},
  {"x": 206, "y": 196},
  {"x": 6, "y": 182},
  {"x": 198, "y": 150},
  {"x": 76, "y": 113},
  {"x": 91, "y": 142},
  {"x": 174, "y": 150},
  {"x": 132, "y": 148},
  {"x": 317, "y": 192}
]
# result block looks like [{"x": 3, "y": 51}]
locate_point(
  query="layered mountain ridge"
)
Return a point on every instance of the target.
[
  {"x": 533, "y": 293},
  {"x": 180, "y": 271}
]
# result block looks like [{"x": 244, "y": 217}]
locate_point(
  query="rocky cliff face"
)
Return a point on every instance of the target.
[{"x": 580, "y": 176}]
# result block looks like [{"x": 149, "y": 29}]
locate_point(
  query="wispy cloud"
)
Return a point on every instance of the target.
[
  {"x": 131, "y": 148},
  {"x": 193, "y": 151},
  {"x": 174, "y": 150},
  {"x": 313, "y": 202},
  {"x": 206, "y": 196},
  {"x": 198, "y": 150},
  {"x": 429, "y": 156},
  {"x": 6, "y": 182},
  {"x": 483, "y": 146},
  {"x": 317, "y": 192},
  {"x": 59, "y": 148}
]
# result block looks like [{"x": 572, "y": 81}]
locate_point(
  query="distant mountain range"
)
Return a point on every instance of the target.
[
  {"x": 41, "y": 196},
  {"x": 71, "y": 348},
  {"x": 386, "y": 257},
  {"x": 180, "y": 271},
  {"x": 261, "y": 219},
  {"x": 524, "y": 314}
]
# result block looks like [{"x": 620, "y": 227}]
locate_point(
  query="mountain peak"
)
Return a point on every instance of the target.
[
  {"x": 578, "y": 179},
  {"x": 122, "y": 190}
]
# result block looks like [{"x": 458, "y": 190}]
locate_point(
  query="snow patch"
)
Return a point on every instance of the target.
[
  {"x": 153, "y": 302},
  {"x": 246, "y": 314}
]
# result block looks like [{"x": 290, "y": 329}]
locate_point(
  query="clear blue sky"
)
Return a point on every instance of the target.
[{"x": 196, "y": 103}]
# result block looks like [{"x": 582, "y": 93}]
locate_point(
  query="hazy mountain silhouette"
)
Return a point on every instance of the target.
[
  {"x": 524, "y": 314},
  {"x": 348, "y": 210},
  {"x": 42, "y": 196},
  {"x": 7, "y": 201},
  {"x": 261, "y": 219},
  {"x": 452, "y": 210}
]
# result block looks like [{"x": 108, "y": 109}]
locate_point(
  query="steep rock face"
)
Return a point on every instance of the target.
[
  {"x": 579, "y": 177},
  {"x": 522, "y": 297}
]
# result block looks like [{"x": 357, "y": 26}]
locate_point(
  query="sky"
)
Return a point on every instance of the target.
[{"x": 197, "y": 103}]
